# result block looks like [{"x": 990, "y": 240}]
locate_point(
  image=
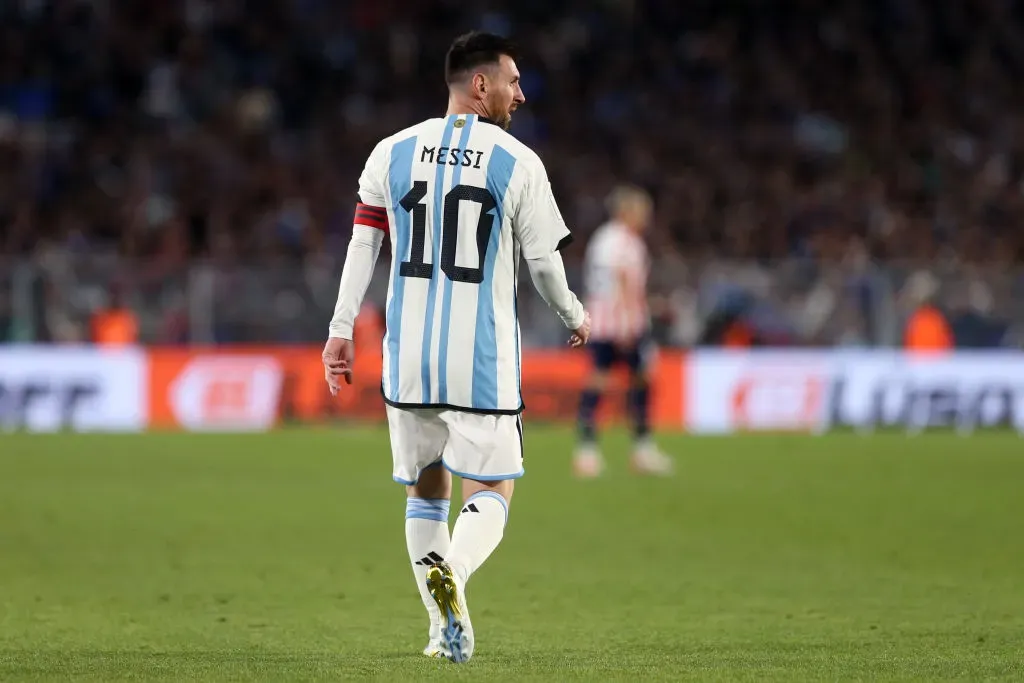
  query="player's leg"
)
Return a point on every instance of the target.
[
  {"x": 427, "y": 540},
  {"x": 418, "y": 438},
  {"x": 647, "y": 458},
  {"x": 587, "y": 460},
  {"x": 480, "y": 525},
  {"x": 486, "y": 451}
]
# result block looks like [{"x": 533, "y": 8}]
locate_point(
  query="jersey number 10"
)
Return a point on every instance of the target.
[{"x": 413, "y": 203}]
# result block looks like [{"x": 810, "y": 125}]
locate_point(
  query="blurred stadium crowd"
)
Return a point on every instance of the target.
[{"x": 822, "y": 171}]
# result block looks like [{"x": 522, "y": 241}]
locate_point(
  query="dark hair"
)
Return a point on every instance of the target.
[{"x": 472, "y": 50}]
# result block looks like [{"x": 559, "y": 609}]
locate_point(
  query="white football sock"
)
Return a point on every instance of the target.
[
  {"x": 478, "y": 531},
  {"x": 426, "y": 537}
]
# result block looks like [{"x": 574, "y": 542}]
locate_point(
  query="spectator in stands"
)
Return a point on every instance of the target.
[
  {"x": 927, "y": 330},
  {"x": 6, "y": 314},
  {"x": 114, "y": 324},
  {"x": 972, "y": 321}
]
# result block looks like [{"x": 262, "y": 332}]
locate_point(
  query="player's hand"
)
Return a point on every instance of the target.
[
  {"x": 582, "y": 333},
  {"x": 337, "y": 357}
]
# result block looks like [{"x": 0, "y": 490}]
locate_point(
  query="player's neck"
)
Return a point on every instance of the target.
[{"x": 457, "y": 106}]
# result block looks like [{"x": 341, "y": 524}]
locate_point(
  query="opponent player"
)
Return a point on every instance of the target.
[
  {"x": 460, "y": 199},
  {"x": 616, "y": 268}
]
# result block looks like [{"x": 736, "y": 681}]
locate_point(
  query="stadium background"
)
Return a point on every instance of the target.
[{"x": 838, "y": 244}]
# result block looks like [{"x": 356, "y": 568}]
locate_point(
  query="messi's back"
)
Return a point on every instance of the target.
[{"x": 452, "y": 188}]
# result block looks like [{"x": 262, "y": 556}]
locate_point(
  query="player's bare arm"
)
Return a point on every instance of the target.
[{"x": 631, "y": 297}]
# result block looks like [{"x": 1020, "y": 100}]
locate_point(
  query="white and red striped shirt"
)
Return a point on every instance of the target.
[{"x": 616, "y": 269}]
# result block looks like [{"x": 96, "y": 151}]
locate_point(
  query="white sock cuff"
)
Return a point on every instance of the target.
[{"x": 481, "y": 496}]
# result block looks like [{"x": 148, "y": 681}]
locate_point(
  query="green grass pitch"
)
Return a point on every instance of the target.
[{"x": 282, "y": 557}]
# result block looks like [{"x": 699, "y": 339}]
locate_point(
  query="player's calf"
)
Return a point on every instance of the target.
[
  {"x": 427, "y": 538},
  {"x": 587, "y": 460},
  {"x": 647, "y": 457},
  {"x": 639, "y": 400},
  {"x": 590, "y": 401},
  {"x": 480, "y": 525}
]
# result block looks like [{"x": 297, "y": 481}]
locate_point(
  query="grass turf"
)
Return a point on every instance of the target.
[{"x": 282, "y": 557}]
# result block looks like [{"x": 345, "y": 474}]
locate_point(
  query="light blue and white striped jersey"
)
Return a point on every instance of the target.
[{"x": 463, "y": 200}]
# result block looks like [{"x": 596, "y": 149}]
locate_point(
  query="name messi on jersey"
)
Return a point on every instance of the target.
[{"x": 452, "y": 156}]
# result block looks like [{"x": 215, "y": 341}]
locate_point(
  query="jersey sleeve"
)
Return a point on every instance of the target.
[
  {"x": 371, "y": 180},
  {"x": 537, "y": 222}
]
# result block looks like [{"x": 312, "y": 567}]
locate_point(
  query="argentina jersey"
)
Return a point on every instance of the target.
[{"x": 463, "y": 198}]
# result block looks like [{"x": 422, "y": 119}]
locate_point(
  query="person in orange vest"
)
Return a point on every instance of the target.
[
  {"x": 727, "y": 325},
  {"x": 115, "y": 324},
  {"x": 927, "y": 330},
  {"x": 738, "y": 335}
]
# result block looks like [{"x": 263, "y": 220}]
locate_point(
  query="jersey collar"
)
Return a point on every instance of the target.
[{"x": 481, "y": 119}]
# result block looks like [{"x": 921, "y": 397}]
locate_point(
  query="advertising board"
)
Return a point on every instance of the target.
[{"x": 45, "y": 389}]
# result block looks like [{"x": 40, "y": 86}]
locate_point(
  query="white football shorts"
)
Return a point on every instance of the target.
[{"x": 470, "y": 445}]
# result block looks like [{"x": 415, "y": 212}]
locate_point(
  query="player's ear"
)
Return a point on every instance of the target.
[{"x": 480, "y": 83}]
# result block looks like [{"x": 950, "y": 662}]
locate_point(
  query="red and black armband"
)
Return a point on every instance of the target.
[{"x": 372, "y": 216}]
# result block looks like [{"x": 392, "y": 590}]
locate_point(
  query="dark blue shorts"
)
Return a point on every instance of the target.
[{"x": 636, "y": 357}]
